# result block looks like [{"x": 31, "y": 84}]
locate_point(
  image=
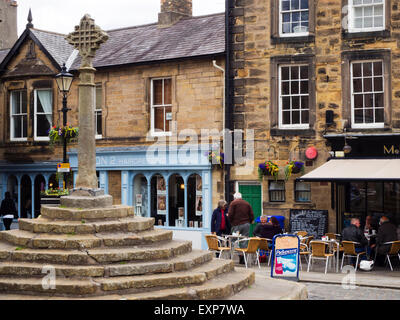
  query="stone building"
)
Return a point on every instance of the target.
[
  {"x": 8, "y": 24},
  {"x": 153, "y": 82},
  {"x": 318, "y": 80}
]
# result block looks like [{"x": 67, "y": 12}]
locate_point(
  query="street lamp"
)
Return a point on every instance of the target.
[{"x": 64, "y": 81}]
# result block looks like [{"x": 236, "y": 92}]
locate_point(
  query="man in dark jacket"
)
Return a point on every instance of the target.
[
  {"x": 267, "y": 230},
  {"x": 8, "y": 211},
  {"x": 355, "y": 234},
  {"x": 219, "y": 221},
  {"x": 387, "y": 232}
]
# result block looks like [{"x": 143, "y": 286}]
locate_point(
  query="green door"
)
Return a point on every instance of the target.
[{"x": 252, "y": 194}]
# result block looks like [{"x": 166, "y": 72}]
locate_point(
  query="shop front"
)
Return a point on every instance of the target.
[
  {"x": 173, "y": 187},
  {"x": 365, "y": 180}
]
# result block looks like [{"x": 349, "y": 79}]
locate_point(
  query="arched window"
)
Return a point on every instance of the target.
[
  {"x": 159, "y": 199},
  {"x": 176, "y": 196},
  {"x": 195, "y": 201},
  {"x": 12, "y": 187},
  {"x": 40, "y": 186},
  {"x": 26, "y": 197},
  {"x": 140, "y": 195}
]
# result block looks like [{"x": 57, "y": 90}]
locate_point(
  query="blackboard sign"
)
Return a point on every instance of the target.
[{"x": 315, "y": 222}]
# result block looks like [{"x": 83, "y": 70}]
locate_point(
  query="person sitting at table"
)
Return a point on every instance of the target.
[
  {"x": 370, "y": 229},
  {"x": 220, "y": 224},
  {"x": 387, "y": 232},
  {"x": 355, "y": 234},
  {"x": 267, "y": 229}
]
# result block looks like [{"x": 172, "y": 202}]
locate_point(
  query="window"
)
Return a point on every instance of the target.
[
  {"x": 366, "y": 15},
  {"x": 18, "y": 116},
  {"x": 43, "y": 105},
  {"x": 294, "y": 17},
  {"x": 294, "y": 97},
  {"x": 367, "y": 87},
  {"x": 98, "y": 111},
  {"x": 302, "y": 192},
  {"x": 161, "y": 106},
  {"x": 277, "y": 191}
]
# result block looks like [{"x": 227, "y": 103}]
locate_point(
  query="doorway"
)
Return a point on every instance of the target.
[{"x": 252, "y": 193}]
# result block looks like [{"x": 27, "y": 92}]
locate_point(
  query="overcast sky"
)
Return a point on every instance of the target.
[{"x": 62, "y": 16}]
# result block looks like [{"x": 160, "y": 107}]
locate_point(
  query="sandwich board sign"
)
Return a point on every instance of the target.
[{"x": 285, "y": 257}]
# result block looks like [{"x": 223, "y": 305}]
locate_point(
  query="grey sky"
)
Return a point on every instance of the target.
[{"x": 62, "y": 16}]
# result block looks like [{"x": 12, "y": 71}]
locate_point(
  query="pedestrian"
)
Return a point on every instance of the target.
[
  {"x": 219, "y": 221},
  {"x": 387, "y": 232},
  {"x": 8, "y": 211},
  {"x": 240, "y": 216}
]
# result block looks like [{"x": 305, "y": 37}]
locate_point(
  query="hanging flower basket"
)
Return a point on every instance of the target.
[
  {"x": 216, "y": 159},
  {"x": 293, "y": 167},
  {"x": 268, "y": 168},
  {"x": 57, "y": 134}
]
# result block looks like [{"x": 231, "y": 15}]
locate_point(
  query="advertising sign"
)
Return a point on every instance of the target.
[
  {"x": 63, "y": 167},
  {"x": 286, "y": 257}
]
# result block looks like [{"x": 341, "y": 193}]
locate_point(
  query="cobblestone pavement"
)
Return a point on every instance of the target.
[{"x": 318, "y": 291}]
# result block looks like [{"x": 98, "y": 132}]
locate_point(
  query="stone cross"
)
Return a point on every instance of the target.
[{"x": 87, "y": 39}]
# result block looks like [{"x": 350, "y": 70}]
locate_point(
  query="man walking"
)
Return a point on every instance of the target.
[{"x": 240, "y": 215}]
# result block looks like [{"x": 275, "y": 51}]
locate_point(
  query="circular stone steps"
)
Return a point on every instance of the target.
[{"x": 108, "y": 253}]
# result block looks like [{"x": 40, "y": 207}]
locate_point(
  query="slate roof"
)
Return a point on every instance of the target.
[{"x": 191, "y": 37}]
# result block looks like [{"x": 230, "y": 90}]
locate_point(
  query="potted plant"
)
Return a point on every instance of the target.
[
  {"x": 216, "y": 158},
  {"x": 57, "y": 134},
  {"x": 268, "y": 168},
  {"x": 293, "y": 167}
]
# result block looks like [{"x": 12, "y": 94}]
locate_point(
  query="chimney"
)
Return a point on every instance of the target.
[{"x": 172, "y": 11}]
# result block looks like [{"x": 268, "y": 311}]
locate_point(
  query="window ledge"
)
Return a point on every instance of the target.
[
  {"x": 365, "y": 35},
  {"x": 294, "y": 39},
  {"x": 293, "y": 132}
]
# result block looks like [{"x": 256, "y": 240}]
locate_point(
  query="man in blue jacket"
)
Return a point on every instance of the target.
[{"x": 219, "y": 221}]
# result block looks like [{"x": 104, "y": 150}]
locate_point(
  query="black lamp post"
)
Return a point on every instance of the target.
[{"x": 64, "y": 81}]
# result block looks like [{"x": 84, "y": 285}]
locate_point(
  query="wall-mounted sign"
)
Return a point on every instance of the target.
[
  {"x": 311, "y": 153},
  {"x": 63, "y": 167},
  {"x": 286, "y": 257}
]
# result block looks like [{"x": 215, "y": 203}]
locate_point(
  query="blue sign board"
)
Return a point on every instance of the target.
[{"x": 285, "y": 257}]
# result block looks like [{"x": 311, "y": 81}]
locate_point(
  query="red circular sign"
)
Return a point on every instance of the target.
[{"x": 311, "y": 153}]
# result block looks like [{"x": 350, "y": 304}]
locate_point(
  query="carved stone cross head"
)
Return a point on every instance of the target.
[{"x": 87, "y": 38}]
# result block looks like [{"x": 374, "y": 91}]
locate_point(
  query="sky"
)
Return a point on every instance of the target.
[{"x": 62, "y": 16}]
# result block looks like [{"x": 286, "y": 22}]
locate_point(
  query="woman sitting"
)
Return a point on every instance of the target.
[{"x": 267, "y": 229}]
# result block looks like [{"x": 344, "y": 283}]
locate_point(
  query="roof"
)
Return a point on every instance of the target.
[
  {"x": 3, "y": 54},
  {"x": 196, "y": 36}
]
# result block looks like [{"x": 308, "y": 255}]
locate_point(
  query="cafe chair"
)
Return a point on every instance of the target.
[
  {"x": 214, "y": 244},
  {"x": 304, "y": 249},
  {"x": 394, "y": 251},
  {"x": 301, "y": 233},
  {"x": 263, "y": 246},
  {"x": 331, "y": 235},
  {"x": 251, "y": 250},
  {"x": 349, "y": 250},
  {"x": 318, "y": 251}
]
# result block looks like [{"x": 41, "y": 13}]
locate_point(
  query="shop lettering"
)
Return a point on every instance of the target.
[{"x": 391, "y": 150}]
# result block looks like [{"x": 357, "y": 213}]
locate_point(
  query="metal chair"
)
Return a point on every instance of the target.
[
  {"x": 349, "y": 250},
  {"x": 318, "y": 251},
  {"x": 394, "y": 251},
  {"x": 304, "y": 249},
  {"x": 214, "y": 242},
  {"x": 252, "y": 249},
  {"x": 264, "y": 246}
]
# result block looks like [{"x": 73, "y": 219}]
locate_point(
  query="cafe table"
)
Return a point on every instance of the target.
[
  {"x": 331, "y": 243},
  {"x": 231, "y": 241}
]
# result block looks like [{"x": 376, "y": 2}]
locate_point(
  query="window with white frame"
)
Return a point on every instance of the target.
[
  {"x": 294, "y": 97},
  {"x": 367, "y": 88},
  {"x": 18, "y": 116},
  {"x": 366, "y": 15},
  {"x": 276, "y": 191},
  {"x": 294, "y": 17},
  {"x": 43, "y": 111},
  {"x": 98, "y": 111},
  {"x": 302, "y": 191},
  {"x": 161, "y": 105}
]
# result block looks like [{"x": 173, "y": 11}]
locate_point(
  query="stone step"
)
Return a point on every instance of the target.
[
  {"x": 182, "y": 278},
  {"x": 83, "y": 241},
  {"x": 164, "y": 250},
  {"x": 41, "y": 286},
  {"x": 79, "y": 214},
  {"x": 184, "y": 262},
  {"x": 44, "y": 225}
]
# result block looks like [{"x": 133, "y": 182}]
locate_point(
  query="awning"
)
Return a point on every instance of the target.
[{"x": 355, "y": 170}]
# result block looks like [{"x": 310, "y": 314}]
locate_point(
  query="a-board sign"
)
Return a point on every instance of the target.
[
  {"x": 63, "y": 167},
  {"x": 286, "y": 257},
  {"x": 315, "y": 222}
]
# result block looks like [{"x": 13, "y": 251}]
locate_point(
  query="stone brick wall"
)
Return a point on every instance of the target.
[
  {"x": 178, "y": 6},
  {"x": 8, "y": 23},
  {"x": 254, "y": 48}
]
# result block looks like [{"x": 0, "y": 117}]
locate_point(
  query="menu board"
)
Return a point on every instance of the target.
[{"x": 315, "y": 222}]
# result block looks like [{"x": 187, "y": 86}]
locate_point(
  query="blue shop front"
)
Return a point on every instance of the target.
[{"x": 173, "y": 186}]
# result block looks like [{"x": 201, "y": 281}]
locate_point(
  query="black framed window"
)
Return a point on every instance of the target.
[
  {"x": 276, "y": 190},
  {"x": 302, "y": 191}
]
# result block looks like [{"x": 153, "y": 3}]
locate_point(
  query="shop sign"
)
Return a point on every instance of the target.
[
  {"x": 286, "y": 257},
  {"x": 63, "y": 167},
  {"x": 391, "y": 150}
]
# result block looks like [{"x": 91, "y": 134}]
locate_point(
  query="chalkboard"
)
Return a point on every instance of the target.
[{"x": 315, "y": 222}]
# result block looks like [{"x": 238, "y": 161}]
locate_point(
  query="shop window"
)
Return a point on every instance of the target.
[
  {"x": 161, "y": 106},
  {"x": 294, "y": 97},
  {"x": 26, "y": 197},
  {"x": 18, "y": 116},
  {"x": 302, "y": 192},
  {"x": 12, "y": 187},
  {"x": 53, "y": 182},
  {"x": 40, "y": 186},
  {"x": 195, "y": 201},
  {"x": 176, "y": 197},
  {"x": 43, "y": 119},
  {"x": 277, "y": 191},
  {"x": 159, "y": 200},
  {"x": 367, "y": 79},
  {"x": 140, "y": 195},
  {"x": 98, "y": 111}
]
